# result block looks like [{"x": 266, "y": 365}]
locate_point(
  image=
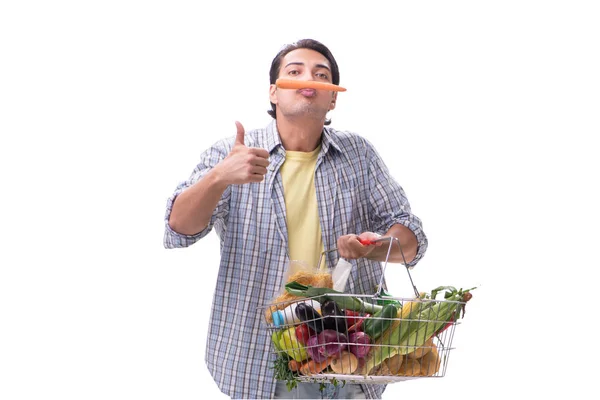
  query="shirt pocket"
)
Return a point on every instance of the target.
[{"x": 346, "y": 212}]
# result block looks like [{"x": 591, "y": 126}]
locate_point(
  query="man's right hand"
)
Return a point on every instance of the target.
[{"x": 243, "y": 164}]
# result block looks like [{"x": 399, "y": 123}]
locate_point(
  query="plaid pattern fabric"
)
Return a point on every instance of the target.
[{"x": 355, "y": 193}]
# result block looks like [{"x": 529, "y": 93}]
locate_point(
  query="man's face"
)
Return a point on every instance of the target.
[{"x": 307, "y": 65}]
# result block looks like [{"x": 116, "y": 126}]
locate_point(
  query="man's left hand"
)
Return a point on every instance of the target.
[{"x": 351, "y": 248}]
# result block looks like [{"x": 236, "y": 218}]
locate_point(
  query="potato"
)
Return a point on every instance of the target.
[
  {"x": 421, "y": 351},
  {"x": 410, "y": 367},
  {"x": 430, "y": 362},
  {"x": 394, "y": 363},
  {"x": 382, "y": 370}
]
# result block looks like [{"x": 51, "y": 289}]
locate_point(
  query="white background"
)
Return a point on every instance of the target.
[{"x": 485, "y": 112}]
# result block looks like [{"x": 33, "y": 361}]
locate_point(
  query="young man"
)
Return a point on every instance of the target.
[{"x": 287, "y": 192}]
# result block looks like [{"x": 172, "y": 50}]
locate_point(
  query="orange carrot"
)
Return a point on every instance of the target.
[
  {"x": 298, "y": 84},
  {"x": 294, "y": 365},
  {"x": 313, "y": 367}
]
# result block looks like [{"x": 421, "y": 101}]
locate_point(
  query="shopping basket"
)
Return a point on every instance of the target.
[{"x": 327, "y": 336}]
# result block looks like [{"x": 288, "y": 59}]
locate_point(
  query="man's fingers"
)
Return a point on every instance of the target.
[
  {"x": 257, "y": 151},
  {"x": 239, "y": 138},
  {"x": 367, "y": 238},
  {"x": 256, "y": 178},
  {"x": 263, "y": 162},
  {"x": 259, "y": 170}
]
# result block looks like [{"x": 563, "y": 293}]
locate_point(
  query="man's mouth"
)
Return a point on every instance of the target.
[{"x": 308, "y": 92}]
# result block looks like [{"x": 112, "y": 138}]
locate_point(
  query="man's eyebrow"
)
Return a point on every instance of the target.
[
  {"x": 294, "y": 63},
  {"x": 301, "y": 63},
  {"x": 323, "y": 66}
]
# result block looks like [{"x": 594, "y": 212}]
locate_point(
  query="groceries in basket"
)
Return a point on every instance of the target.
[
  {"x": 296, "y": 271},
  {"x": 332, "y": 335}
]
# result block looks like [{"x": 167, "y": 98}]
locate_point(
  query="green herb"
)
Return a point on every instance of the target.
[
  {"x": 283, "y": 373},
  {"x": 334, "y": 382}
]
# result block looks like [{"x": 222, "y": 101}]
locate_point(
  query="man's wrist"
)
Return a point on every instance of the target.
[{"x": 217, "y": 178}]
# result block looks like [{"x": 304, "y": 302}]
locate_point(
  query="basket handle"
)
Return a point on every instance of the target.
[{"x": 391, "y": 239}]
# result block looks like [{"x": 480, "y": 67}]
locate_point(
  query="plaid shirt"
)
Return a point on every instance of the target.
[{"x": 355, "y": 193}]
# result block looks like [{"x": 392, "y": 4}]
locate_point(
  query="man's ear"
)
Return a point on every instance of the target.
[
  {"x": 273, "y": 94},
  {"x": 333, "y": 101}
]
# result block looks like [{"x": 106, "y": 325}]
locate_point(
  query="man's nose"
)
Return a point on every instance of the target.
[{"x": 307, "y": 76}]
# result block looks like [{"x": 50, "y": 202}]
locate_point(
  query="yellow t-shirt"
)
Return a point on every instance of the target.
[{"x": 304, "y": 229}]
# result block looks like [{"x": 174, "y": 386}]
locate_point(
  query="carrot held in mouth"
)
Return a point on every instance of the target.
[{"x": 298, "y": 84}]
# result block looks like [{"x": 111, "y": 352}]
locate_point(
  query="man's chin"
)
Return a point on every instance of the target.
[{"x": 306, "y": 112}]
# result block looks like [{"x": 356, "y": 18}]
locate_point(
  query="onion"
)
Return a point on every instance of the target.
[
  {"x": 344, "y": 363},
  {"x": 312, "y": 348},
  {"x": 325, "y": 344},
  {"x": 358, "y": 344}
]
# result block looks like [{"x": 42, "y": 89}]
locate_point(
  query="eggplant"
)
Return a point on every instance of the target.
[
  {"x": 313, "y": 319},
  {"x": 334, "y": 317},
  {"x": 306, "y": 313},
  {"x": 330, "y": 307}
]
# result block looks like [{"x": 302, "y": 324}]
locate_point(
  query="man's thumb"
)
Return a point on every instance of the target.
[{"x": 239, "y": 139}]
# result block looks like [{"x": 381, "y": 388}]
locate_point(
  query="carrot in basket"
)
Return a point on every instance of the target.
[
  {"x": 294, "y": 365},
  {"x": 298, "y": 84},
  {"x": 313, "y": 367}
]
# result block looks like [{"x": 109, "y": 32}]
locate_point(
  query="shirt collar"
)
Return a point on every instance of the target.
[
  {"x": 272, "y": 139},
  {"x": 329, "y": 139}
]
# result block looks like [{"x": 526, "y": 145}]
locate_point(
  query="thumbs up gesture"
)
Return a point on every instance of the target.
[{"x": 244, "y": 164}]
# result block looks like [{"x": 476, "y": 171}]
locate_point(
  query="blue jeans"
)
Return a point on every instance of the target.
[{"x": 311, "y": 391}]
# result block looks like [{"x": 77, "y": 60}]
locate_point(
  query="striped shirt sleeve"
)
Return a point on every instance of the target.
[
  {"x": 390, "y": 205},
  {"x": 208, "y": 160}
]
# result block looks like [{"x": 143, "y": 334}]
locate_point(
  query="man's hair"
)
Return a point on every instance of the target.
[{"x": 302, "y": 44}]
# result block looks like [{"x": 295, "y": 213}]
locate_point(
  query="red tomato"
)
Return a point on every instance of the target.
[
  {"x": 303, "y": 332},
  {"x": 351, "y": 317}
]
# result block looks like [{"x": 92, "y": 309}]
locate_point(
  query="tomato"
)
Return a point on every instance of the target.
[
  {"x": 303, "y": 332},
  {"x": 355, "y": 320},
  {"x": 351, "y": 317}
]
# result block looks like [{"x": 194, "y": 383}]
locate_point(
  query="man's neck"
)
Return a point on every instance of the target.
[{"x": 299, "y": 135}]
